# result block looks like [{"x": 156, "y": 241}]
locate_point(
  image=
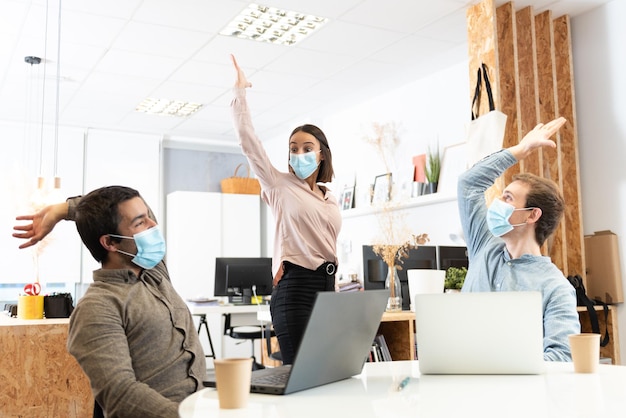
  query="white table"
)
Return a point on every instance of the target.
[{"x": 558, "y": 393}]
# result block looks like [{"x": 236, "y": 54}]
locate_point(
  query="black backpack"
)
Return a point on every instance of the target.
[{"x": 583, "y": 300}]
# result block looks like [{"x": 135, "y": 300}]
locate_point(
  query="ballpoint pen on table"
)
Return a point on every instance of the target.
[{"x": 403, "y": 383}]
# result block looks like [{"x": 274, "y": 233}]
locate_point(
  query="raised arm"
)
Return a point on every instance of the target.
[
  {"x": 42, "y": 223},
  {"x": 241, "y": 82},
  {"x": 537, "y": 138}
]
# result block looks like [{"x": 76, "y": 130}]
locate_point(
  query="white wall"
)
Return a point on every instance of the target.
[{"x": 599, "y": 67}]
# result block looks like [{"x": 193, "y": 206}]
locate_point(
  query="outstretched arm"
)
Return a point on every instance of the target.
[
  {"x": 241, "y": 82},
  {"x": 537, "y": 138},
  {"x": 41, "y": 224}
]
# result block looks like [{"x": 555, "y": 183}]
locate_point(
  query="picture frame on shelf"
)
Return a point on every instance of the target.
[
  {"x": 347, "y": 198},
  {"x": 382, "y": 188},
  {"x": 453, "y": 163}
]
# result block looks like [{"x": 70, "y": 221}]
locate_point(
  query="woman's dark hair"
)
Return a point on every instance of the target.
[
  {"x": 326, "y": 172},
  {"x": 543, "y": 194},
  {"x": 97, "y": 214}
]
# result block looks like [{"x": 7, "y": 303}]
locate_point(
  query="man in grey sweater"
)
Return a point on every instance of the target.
[{"x": 131, "y": 333}]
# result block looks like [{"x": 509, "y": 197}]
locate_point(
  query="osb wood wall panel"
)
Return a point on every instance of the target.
[
  {"x": 568, "y": 146},
  {"x": 482, "y": 45},
  {"x": 536, "y": 48},
  {"x": 481, "y": 22},
  {"x": 509, "y": 83},
  {"x": 40, "y": 379},
  {"x": 546, "y": 76},
  {"x": 527, "y": 82}
]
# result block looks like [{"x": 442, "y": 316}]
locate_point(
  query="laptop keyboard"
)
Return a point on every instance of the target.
[{"x": 278, "y": 378}]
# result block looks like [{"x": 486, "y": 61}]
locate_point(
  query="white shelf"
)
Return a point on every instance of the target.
[{"x": 424, "y": 200}]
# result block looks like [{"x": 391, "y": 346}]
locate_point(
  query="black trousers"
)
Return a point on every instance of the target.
[{"x": 292, "y": 302}]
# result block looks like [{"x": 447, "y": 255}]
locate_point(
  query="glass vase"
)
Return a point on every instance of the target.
[{"x": 394, "y": 303}]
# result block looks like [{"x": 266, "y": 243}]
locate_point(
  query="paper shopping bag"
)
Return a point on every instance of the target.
[{"x": 485, "y": 133}]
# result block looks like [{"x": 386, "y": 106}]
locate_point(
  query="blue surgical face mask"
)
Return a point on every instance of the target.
[
  {"x": 150, "y": 247},
  {"x": 498, "y": 216},
  {"x": 304, "y": 164}
]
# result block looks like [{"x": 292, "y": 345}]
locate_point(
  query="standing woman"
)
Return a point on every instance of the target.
[{"x": 307, "y": 219}]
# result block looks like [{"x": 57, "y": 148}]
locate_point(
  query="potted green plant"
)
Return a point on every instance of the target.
[
  {"x": 433, "y": 169},
  {"x": 455, "y": 277}
]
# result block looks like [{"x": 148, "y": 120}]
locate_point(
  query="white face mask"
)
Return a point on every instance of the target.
[{"x": 304, "y": 164}]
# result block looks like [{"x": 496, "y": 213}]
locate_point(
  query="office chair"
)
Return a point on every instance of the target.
[{"x": 246, "y": 332}]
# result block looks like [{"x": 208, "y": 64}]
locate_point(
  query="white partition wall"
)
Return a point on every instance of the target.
[
  {"x": 201, "y": 226},
  {"x": 125, "y": 159}
]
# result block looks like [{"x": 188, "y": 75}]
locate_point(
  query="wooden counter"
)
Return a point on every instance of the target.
[{"x": 40, "y": 379}]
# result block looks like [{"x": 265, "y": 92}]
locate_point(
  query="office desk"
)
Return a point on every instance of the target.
[
  {"x": 558, "y": 393},
  {"x": 240, "y": 315}
]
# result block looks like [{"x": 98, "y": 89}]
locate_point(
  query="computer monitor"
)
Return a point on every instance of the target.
[
  {"x": 452, "y": 256},
  {"x": 235, "y": 277},
  {"x": 375, "y": 269}
]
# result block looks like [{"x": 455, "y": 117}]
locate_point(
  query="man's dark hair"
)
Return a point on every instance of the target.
[
  {"x": 326, "y": 173},
  {"x": 97, "y": 214},
  {"x": 543, "y": 194}
]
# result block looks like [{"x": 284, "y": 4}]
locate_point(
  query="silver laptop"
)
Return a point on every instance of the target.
[
  {"x": 335, "y": 345},
  {"x": 479, "y": 333}
]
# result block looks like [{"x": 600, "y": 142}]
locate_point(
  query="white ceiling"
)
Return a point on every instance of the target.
[{"x": 114, "y": 53}]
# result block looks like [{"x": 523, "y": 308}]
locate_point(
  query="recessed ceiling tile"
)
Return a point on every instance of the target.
[
  {"x": 89, "y": 29},
  {"x": 159, "y": 40},
  {"x": 109, "y": 8},
  {"x": 135, "y": 64},
  {"x": 251, "y": 53},
  {"x": 350, "y": 39},
  {"x": 309, "y": 63},
  {"x": 201, "y": 15},
  {"x": 214, "y": 75},
  {"x": 400, "y": 15},
  {"x": 191, "y": 92}
]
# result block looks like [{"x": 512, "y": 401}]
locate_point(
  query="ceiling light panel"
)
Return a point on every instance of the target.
[
  {"x": 167, "y": 107},
  {"x": 273, "y": 25}
]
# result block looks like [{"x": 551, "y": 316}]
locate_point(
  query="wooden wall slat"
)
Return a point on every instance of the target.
[
  {"x": 546, "y": 76},
  {"x": 507, "y": 70},
  {"x": 482, "y": 44},
  {"x": 527, "y": 82},
  {"x": 481, "y": 28},
  {"x": 568, "y": 147}
]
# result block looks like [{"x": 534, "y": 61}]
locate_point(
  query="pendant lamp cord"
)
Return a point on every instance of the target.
[
  {"x": 56, "y": 117},
  {"x": 43, "y": 94}
]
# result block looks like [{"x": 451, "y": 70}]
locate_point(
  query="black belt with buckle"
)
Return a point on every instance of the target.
[{"x": 329, "y": 268}]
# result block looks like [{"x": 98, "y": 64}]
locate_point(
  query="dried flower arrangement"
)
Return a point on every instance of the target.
[
  {"x": 393, "y": 254},
  {"x": 384, "y": 138}
]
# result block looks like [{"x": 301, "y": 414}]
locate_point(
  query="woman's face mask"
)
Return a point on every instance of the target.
[
  {"x": 304, "y": 164},
  {"x": 498, "y": 216},
  {"x": 150, "y": 247}
]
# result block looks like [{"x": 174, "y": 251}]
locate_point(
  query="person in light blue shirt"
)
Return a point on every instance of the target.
[{"x": 504, "y": 238}]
